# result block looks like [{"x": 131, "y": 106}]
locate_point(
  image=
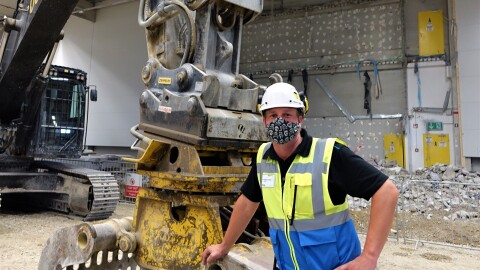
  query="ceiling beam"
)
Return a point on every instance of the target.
[
  {"x": 84, "y": 10},
  {"x": 269, "y": 5}
]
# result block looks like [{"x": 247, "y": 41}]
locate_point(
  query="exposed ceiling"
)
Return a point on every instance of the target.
[
  {"x": 268, "y": 5},
  {"x": 7, "y": 7},
  {"x": 87, "y": 8}
]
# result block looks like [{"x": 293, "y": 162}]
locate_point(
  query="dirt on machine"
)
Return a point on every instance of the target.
[
  {"x": 43, "y": 110},
  {"x": 197, "y": 138}
]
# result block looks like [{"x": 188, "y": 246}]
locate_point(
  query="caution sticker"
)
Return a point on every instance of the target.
[
  {"x": 163, "y": 80},
  {"x": 165, "y": 109}
]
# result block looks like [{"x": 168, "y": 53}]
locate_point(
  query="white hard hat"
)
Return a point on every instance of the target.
[{"x": 281, "y": 95}]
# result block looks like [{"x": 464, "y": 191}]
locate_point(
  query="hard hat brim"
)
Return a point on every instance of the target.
[{"x": 284, "y": 105}]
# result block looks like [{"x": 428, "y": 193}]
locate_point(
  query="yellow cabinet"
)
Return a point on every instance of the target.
[
  {"x": 430, "y": 33},
  {"x": 436, "y": 149},
  {"x": 393, "y": 147}
]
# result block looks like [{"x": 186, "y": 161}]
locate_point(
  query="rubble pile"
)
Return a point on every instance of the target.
[{"x": 449, "y": 191}]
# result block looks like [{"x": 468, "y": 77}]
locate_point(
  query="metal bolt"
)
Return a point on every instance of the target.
[
  {"x": 146, "y": 73},
  {"x": 181, "y": 76},
  {"x": 127, "y": 243}
]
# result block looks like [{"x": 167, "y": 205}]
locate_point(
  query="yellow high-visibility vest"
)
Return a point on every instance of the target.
[{"x": 305, "y": 187}]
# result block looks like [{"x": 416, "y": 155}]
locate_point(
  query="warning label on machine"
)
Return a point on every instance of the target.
[{"x": 132, "y": 185}]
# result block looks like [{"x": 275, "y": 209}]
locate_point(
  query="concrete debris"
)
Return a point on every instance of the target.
[
  {"x": 435, "y": 176},
  {"x": 442, "y": 191}
]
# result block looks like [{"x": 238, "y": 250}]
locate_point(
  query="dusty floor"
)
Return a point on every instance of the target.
[{"x": 22, "y": 236}]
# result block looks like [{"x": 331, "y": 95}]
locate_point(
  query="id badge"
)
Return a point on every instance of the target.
[{"x": 268, "y": 180}]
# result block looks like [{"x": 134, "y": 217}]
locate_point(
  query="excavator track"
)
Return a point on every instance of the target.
[
  {"x": 26, "y": 184},
  {"x": 103, "y": 194}
]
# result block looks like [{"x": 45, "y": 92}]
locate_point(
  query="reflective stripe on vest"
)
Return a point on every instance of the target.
[{"x": 314, "y": 208}]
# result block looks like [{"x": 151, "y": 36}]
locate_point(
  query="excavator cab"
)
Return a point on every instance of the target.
[{"x": 64, "y": 107}]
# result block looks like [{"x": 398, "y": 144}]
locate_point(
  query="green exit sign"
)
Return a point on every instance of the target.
[{"x": 434, "y": 126}]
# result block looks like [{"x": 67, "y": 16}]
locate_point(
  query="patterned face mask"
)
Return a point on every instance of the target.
[{"x": 281, "y": 131}]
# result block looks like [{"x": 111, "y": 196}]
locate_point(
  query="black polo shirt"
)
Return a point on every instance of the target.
[{"x": 349, "y": 173}]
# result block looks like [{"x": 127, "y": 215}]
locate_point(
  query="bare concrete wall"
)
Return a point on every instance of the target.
[
  {"x": 323, "y": 36},
  {"x": 349, "y": 90},
  {"x": 331, "y": 42},
  {"x": 363, "y": 136}
]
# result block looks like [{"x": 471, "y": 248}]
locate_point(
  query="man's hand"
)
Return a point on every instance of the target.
[
  {"x": 213, "y": 253},
  {"x": 382, "y": 211},
  {"x": 362, "y": 262},
  {"x": 242, "y": 213}
]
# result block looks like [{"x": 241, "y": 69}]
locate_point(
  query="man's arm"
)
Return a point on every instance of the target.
[
  {"x": 243, "y": 212},
  {"x": 382, "y": 212}
]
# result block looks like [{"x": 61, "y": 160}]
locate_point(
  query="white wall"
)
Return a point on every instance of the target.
[
  {"x": 468, "y": 25},
  {"x": 112, "y": 51},
  {"x": 434, "y": 85},
  {"x": 76, "y": 47}
]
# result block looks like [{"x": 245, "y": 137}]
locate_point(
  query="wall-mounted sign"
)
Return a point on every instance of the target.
[{"x": 434, "y": 126}]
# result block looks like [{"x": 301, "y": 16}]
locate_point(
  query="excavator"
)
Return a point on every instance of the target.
[
  {"x": 197, "y": 138},
  {"x": 30, "y": 37}
]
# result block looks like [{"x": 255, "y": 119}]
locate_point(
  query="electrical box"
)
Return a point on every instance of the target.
[
  {"x": 436, "y": 149},
  {"x": 430, "y": 33},
  {"x": 394, "y": 149}
]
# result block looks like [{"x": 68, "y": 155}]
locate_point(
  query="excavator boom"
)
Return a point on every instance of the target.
[{"x": 32, "y": 35}]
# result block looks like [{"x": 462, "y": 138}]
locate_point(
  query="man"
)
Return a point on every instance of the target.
[{"x": 303, "y": 182}]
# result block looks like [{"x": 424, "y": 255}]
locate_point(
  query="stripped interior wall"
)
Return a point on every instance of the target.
[
  {"x": 323, "y": 37},
  {"x": 336, "y": 43},
  {"x": 364, "y": 137}
]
